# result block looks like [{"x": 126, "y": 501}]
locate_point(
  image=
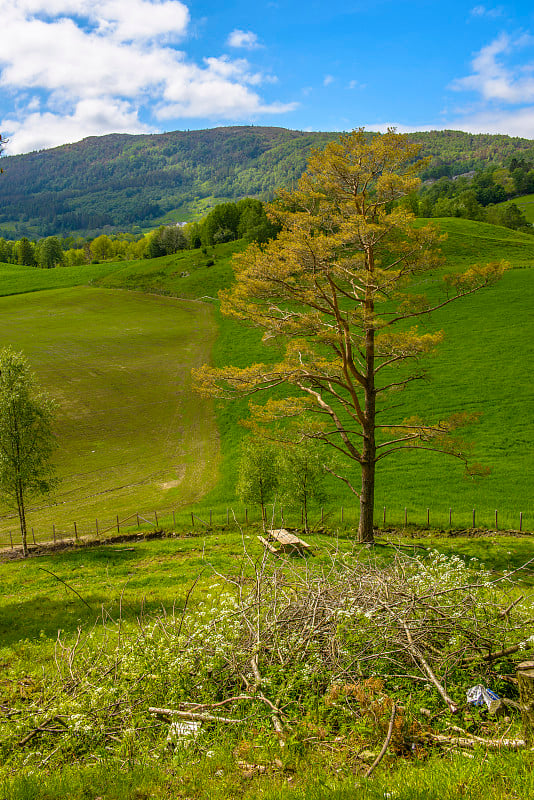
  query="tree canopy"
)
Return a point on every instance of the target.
[
  {"x": 26, "y": 437},
  {"x": 339, "y": 290}
]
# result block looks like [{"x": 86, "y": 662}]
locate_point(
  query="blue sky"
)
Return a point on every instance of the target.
[{"x": 76, "y": 68}]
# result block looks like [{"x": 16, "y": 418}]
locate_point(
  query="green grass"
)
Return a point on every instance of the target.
[
  {"x": 202, "y": 279},
  {"x": 132, "y": 435},
  {"x": 117, "y": 580},
  {"x": 16, "y": 279},
  {"x": 482, "y": 366},
  {"x": 526, "y": 204},
  {"x": 471, "y": 242}
]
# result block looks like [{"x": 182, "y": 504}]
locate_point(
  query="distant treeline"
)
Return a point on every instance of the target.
[
  {"x": 113, "y": 183},
  {"x": 227, "y": 222},
  {"x": 478, "y": 195}
]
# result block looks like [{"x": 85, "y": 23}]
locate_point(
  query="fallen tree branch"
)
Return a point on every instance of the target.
[
  {"x": 453, "y": 707},
  {"x": 507, "y": 651},
  {"x": 491, "y": 744},
  {"x": 43, "y": 729},
  {"x": 192, "y": 715},
  {"x": 506, "y": 611},
  {"x": 67, "y": 585},
  {"x": 259, "y": 697},
  {"x": 385, "y": 746}
]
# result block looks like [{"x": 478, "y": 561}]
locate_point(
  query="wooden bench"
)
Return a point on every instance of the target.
[
  {"x": 288, "y": 541},
  {"x": 268, "y": 546}
]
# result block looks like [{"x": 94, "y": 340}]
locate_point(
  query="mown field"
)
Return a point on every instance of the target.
[
  {"x": 482, "y": 366},
  {"x": 132, "y": 435}
]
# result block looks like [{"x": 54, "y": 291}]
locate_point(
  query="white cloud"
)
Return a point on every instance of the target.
[
  {"x": 246, "y": 39},
  {"x": 96, "y": 66},
  {"x": 482, "y": 11},
  {"x": 493, "y": 80},
  {"x": 518, "y": 122},
  {"x": 328, "y": 79},
  {"x": 38, "y": 130}
]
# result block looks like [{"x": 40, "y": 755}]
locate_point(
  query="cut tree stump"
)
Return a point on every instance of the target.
[{"x": 525, "y": 678}]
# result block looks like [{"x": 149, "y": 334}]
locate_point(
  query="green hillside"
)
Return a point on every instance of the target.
[
  {"x": 132, "y": 435},
  {"x": 121, "y": 181},
  {"x": 481, "y": 366},
  {"x": 526, "y": 204},
  {"x": 113, "y": 358}
]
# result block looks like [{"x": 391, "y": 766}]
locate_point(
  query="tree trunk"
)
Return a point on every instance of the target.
[
  {"x": 367, "y": 503},
  {"x": 22, "y": 519},
  {"x": 367, "y": 497},
  {"x": 525, "y": 678}
]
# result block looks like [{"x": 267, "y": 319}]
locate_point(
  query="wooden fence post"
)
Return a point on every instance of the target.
[
  {"x": 33, "y": 536},
  {"x": 496, "y": 521},
  {"x": 246, "y": 516},
  {"x": 450, "y": 517},
  {"x": 137, "y": 517},
  {"x": 118, "y": 525},
  {"x": 428, "y": 518},
  {"x": 322, "y": 515},
  {"x": 75, "y": 532},
  {"x": 156, "y": 517},
  {"x": 11, "y": 539},
  {"x": 173, "y": 520},
  {"x": 405, "y": 516},
  {"x": 520, "y": 521},
  {"x": 342, "y": 515},
  {"x": 210, "y": 517},
  {"x": 227, "y": 516},
  {"x": 96, "y": 526},
  {"x": 54, "y": 533},
  {"x": 384, "y": 518},
  {"x": 192, "y": 519},
  {"x": 473, "y": 518}
]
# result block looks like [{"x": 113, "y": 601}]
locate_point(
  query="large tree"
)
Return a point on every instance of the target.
[
  {"x": 26, "y": 437},
  {"x": 339, "y": 288}
]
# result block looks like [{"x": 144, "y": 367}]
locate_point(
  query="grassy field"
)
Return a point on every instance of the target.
[
  {"x": 48, "y": 604},
  {"x": 482, "y": 366},
  {"x": 526, "y": 204},
  {"x": 15, "y": 279},
  {"x": 132, "y": 435}
]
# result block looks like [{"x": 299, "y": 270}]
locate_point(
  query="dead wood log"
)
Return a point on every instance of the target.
[
  {"x": 525, "y": 678},
  {"x": 193, "y": 716},
  {"x": 468, "y": 741}
]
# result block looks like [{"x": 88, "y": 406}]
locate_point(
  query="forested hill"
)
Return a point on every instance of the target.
[{"x": 119, "y": 181}]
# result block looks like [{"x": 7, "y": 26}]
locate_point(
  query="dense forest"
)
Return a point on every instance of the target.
[{"x": 131, "y": 183}]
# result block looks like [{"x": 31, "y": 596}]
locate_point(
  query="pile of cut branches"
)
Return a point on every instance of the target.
[{"x": 355, "y": 651}]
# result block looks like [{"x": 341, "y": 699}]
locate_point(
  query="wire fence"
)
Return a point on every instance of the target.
[{"x": 338, "y": 517}]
